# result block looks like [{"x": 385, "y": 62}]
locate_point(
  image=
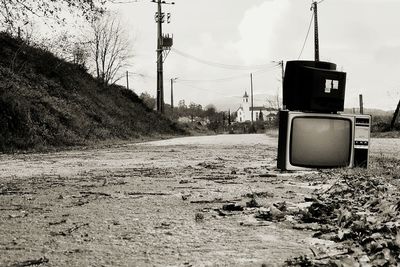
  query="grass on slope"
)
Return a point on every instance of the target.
[{"x": 47, "y": 102}]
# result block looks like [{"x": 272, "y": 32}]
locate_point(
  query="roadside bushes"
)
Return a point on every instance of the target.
[
  {"x": 380, "y": 123},
  {"x": 15, "y": 123}
]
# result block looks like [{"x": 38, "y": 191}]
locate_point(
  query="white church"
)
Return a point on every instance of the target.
[{"x": 259, "y": 113}]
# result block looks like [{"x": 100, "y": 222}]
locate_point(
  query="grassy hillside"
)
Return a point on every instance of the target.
[{"x": 47, "y": 102}]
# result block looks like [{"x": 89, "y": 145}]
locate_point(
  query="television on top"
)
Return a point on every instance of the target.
[
  {"x": 322, "y": 140},
  {"x": 313, "y": 86}
]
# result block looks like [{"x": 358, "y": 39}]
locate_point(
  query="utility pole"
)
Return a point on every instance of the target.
[
  {"x": 316, "y": 37},
  {"x": 160, "y": 81},
  {"x": 361, "y": 105},
  {"x": 162, "y": 44},
  {"x": 252, "y": 100},
  {"x": 127, "y": 80},
  {"x": 281, "y": 63},
  {"x": 172, "y": 92},
  {"x": 283, "y": 77}
]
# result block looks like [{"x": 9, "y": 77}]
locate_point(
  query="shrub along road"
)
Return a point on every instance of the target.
[{"x": 195, "y": 201}]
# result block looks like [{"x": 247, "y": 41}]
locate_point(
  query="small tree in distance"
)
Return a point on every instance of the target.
[
  {"x": 148, "y": 100},
  {"x": 274, "y": 102}
]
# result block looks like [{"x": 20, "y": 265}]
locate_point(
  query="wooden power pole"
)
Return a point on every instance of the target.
[
  {"x": 163, "y": 43},
  {"x": 361, "y": 105},
  {"x": 172, "y": 92},
  {"x": 127, "y": 80},
  {"x": 316, "y": 36},
  {"x": 160, "y": 78},
  {"x": 252, "y": 100}
]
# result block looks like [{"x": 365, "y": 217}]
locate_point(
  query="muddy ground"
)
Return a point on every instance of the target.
[{"x": 163, "y": 203}]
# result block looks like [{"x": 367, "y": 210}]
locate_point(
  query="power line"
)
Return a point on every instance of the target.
[
  {"x": 224, "y": 79},
  {"x": 125, "y": 2},
  {"x": 227, "y": 79},
  {"x": 201, "y": 89},
  {"x": 219, "y": 65},
  {"x": 308, "y": 32}
]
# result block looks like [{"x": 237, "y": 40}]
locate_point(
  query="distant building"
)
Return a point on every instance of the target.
[{"x": 259, "y": 113}]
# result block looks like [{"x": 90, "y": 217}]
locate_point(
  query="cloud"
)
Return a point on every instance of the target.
[{"x": 259, "y": 30}]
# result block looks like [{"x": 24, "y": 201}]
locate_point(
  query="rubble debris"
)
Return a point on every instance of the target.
[
  {"x": 30, "y": 262},
  {"x": 252, "y": 203},
  {"x": 221, "y": 213},
  {"x": 216, "y": 177},
  {"x": 270, "y": 214},
  {"x": 249, "y": 170},
  {"x": 215, "y": 200},
  {"x": 69, "y": 231},
  {"x": 58, "y": 222},
  {"x": 264, "y": 215},
  {"x": 360, "y": 210},
  {"x": 319, "y": 212},
  {"x": 232, "y": 207},
  {"x": 87, "y": 193},
  {"x": 185, "y": 197},
  {"x": 259, "y": 195},
  {"x": 301, "y": 261},
  {"x": 267, "y": 175},
  {"x": 199, "y": 217},
  {"x": 211, "y": 165},
  {"x": 282, "y": 206}
]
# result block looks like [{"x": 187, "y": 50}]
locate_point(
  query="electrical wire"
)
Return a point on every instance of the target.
[
  {"x": 308, "y": 33},
  {"x": 125, "y": 2},
  {"x": 226, "y": 79},
  {"x": 219, "y": 65},
  {"x": 201, "y": 89}
]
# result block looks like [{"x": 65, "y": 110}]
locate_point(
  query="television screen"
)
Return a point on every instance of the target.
[{"x": 320, "y": 142}]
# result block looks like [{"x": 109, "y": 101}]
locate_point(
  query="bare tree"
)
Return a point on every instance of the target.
[
  {"x": 17, "y": 13},
  {"x": 274, "y": 102},
  {"x": 110, "y": 49}
]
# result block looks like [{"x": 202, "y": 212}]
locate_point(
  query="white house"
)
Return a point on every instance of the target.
[{"x": 245, "y": 110}]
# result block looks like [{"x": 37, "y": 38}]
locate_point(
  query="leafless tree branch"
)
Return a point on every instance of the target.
[{"x": 110, "y": 48}]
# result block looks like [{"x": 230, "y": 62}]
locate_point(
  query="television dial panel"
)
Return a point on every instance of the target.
[{"x": 361, "y": 140}]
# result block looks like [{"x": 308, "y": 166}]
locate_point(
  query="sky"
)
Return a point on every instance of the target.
[{"x": 249, "y": 36}]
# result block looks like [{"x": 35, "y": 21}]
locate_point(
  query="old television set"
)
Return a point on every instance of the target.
[
  {"x": 322, "y": 140},
  {"x": 314, "y": 86}
]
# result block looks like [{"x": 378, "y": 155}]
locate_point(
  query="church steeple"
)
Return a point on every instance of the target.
[{"x": 245, "y": 97}]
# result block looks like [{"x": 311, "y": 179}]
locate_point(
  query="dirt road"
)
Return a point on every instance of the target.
[{"x": 161, "y": 203}]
